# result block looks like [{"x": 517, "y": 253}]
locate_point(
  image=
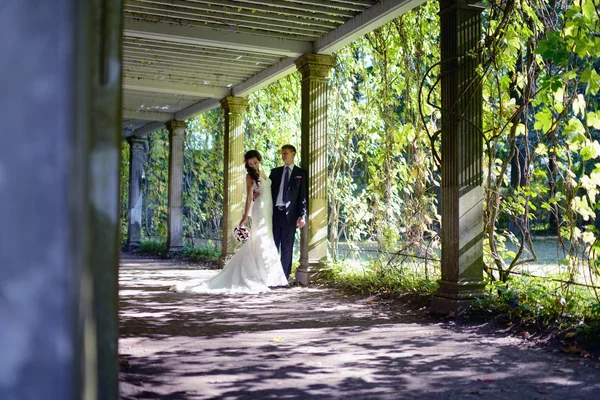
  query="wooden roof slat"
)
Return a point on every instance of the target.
[
  {"x": 321, "y": 5},
  {"x": 204, "y": 75},
  {"x": 241, "y": 10},
  {"x": 169, "y": 61},
  {"x": 228, "y": 20},
  {"x": 194, "y": 51},
  {"x": 277, "y": 7}
]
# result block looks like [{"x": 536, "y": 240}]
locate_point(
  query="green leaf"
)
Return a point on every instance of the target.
[
  {"x": 592, "y": 78},
  {"x": 590, "y": 150},
  {"x": 574, "y": 131},
  {"x": 543, "y": 120},
  {"x": 589, "y": 10},
  {"x": 578, "y": 105},
  {"x": 593, "y": 119}
]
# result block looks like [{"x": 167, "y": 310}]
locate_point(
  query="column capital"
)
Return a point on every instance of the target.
[
  {"x": 315, "y": 65},
  {"x": 136, "y": 142},
  {"x": 176, "y": 128},
  {"x": 234, "y": 105},
  {"x": 472, "y": 5}
]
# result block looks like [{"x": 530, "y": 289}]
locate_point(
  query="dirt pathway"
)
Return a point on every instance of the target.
[{"x": 319, "y": 344}]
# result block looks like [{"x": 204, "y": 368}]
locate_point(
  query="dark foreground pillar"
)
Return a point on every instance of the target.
[
  {"x": 462, "y": 154},
  {"x": 58, "y": 198},
  {"x": 103, "y": 180}
]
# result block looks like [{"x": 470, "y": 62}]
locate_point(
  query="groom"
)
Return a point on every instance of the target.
[{"x": 289, "y": 185}]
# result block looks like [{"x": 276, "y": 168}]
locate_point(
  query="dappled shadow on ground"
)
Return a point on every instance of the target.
[{"x": 319, "y": 344}]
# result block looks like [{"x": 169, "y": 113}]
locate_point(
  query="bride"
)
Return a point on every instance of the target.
[{"x": 256, "y": 265}]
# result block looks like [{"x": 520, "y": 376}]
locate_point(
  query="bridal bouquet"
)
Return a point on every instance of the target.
[{"x": 241, "y": 233}]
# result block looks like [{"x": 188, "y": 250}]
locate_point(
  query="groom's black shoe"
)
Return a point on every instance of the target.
[{"x": 280, "y": 287}]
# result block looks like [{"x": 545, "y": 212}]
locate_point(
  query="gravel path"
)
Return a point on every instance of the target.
[{"x": 317, "y": 343}]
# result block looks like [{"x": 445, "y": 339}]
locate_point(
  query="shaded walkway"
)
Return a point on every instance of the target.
[{"x": 317, "y": 344}]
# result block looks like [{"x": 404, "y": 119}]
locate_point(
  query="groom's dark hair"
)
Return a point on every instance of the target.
[{"x": 288, "y": 147}]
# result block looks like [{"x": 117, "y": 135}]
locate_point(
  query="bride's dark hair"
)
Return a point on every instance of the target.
[{"x": 251, "y": 171}]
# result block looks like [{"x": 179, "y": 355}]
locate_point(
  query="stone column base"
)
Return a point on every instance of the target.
[
  {"x": 450, "y": 307},
  {"x": 454, "y": 298},
  {"x": 306, "y": 273},
  {"x": 175, "y": 249},
  {"x": 131, "y": 247},
  {"x": 303, "y": 276}
]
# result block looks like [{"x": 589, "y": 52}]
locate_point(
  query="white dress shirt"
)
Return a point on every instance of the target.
[{"x": 279, "y": 202}]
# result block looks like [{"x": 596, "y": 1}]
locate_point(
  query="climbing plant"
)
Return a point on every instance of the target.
[
  {"x": 539, "y": 77},
  {"x": 382, "y": 181},
  {"x": 124, "y": 191},
  {"x": 155, "y": 184},
  {"x": 273, "y": 119},
  {"x": 203, "y": 177}
]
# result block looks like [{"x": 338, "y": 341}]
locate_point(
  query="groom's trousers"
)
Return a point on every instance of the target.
[{"x": 284, "y": 234}]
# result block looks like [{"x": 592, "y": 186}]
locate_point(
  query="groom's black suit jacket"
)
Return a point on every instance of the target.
[{"x": 298, "y": 189}]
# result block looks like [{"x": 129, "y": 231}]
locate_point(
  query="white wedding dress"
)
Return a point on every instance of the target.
[{"x": 256, "y": 265}]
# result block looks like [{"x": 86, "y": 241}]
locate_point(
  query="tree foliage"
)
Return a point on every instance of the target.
[
  {"x": 539, "y": 92},
  {"x": 382, "y": 180}
]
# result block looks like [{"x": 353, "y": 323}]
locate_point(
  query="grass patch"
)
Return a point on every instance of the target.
[
  {"x": 372, "y": 278},
  {"x": 152, "y": 248},
  {"x": 207, "y": 252}
]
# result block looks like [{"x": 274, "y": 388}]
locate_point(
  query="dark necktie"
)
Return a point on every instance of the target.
[{"x": 286, "y": 183}]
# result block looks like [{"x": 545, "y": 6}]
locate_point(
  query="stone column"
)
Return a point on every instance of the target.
[
  {"x": 462, "y": 154},
  {"x": 175, "y": 203},
  {"x": 103, "y": 180},
  {"x": 315, "y": 77},
  {"x": 233, "y": 173},
  {"x": 136, "y": 170}
]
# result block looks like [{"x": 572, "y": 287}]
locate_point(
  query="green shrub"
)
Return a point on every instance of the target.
[
  {"x": 542, "y": 301},
  {"x": 152, "y": 248},
  {"x": 208, "y": 252},
  {"x": 373, "y": 278}
]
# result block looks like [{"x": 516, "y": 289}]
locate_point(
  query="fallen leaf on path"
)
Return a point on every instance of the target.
[
  {"x": 569, "y": 335},
  {"x": 278, "y": 339},
  {"x": 480, "y": 392},
  {"x": 565, "y": 370},
  {"x": 543, "y": 391},
  {"x": 571, "y": 348},
  {"x": 486, "y": 380}
]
